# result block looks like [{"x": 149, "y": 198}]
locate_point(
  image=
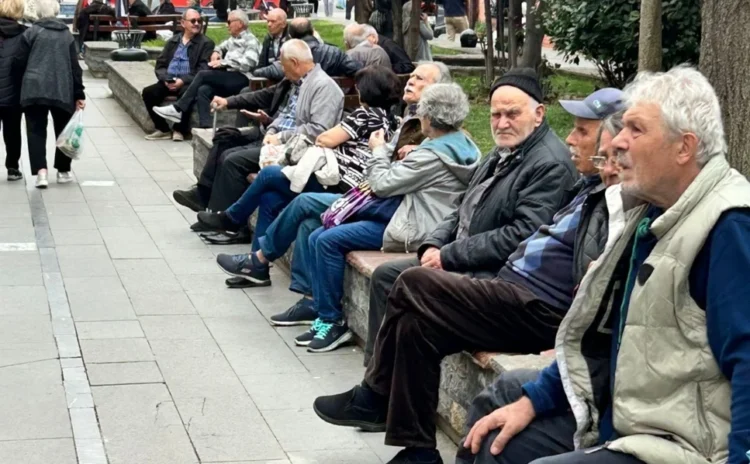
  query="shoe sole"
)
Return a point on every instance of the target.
[
  {"x": 290, "y": 324},
  {"x": 168, "y": 118},
  {"x": 365, "y": 426},
  {"x": 154, "y": 139},
  {"x": 13, "y": 179},
  {"x": 245, "y": 284},
  {"x": 181, "y": 200},
  {"x": 68, "y": 181},
  {"x": 241, "y": 276},
  {"x": 42, "y": 186},
  {"x": 337, "y": 343},
  {"x": 302, "y": 343}
]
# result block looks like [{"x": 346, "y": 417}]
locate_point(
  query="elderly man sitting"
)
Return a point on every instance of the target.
[
  {"x": 183, "y": 57},
  {"x": 360, "y": 48},
  {"x": 653, "y": 358},
  {"x": 432, "y": 314},
  {"x": 232, "y": 63}
]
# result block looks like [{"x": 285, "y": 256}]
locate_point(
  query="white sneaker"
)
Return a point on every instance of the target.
[
  {"x": 169, "y": 113},
  {"x": 159, "y": 135},
  {"x": 177, "y": 136},
  {"x": 64, "y": 177},
  {"x": 41, "y": 179}
]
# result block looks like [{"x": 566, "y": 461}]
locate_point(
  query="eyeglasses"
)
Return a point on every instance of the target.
[
  {"x": 600, "y": 162},
  {"x": 195, "y": 21}
]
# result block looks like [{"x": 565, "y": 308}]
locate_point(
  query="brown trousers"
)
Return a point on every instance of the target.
[{"x": 432, "y": 314}]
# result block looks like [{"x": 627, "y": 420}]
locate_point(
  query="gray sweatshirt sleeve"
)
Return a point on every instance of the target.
[
  {"x": 326, "y": 108},
  {"x": 409, "y": 175}
]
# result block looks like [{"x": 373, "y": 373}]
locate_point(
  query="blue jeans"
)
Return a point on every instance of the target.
[
  {"x": 327, "y": 258},
  {"x": 269, "y": 179},
  {"x": 298, "y": 220}
]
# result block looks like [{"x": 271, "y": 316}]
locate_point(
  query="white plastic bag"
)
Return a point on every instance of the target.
[
  {"x": 271, "y": 155},
  {"x": 70, "y": 141}
]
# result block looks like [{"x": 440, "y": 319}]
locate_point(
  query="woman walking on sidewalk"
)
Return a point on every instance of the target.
[
  {"x": 10, "y": 83},
  {"x": 52, "y": 84}
]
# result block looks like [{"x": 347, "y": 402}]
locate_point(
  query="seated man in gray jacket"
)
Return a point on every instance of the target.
[
  {"x": 360, "y": 49},
  {"x": 432, "y": 314}
]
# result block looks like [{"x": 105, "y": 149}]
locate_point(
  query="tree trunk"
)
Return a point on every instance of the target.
[
  {"x": 532, "y": 45},
  {"x": 512, "y": 34},
  {"x": 398, "y": 22},
  {"x": 414, "y": 38},
  {"x": 725, "y": 59},
  {"x": 362, "y": 10},
  {"x": 649, "y": 36},
  {"x": 489, "y": 57}
]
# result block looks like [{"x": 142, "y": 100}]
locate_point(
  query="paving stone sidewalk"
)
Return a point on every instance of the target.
[{"x": 119, "y": 342}]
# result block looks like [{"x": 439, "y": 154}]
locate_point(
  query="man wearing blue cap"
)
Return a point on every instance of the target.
[{"x": 432, "y": 314}]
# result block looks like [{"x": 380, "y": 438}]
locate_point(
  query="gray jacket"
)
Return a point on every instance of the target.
[
  {"x": 369, "y": 55},
  {"x": 432, "y": 179},
  {"x": 320, "y": 105}
]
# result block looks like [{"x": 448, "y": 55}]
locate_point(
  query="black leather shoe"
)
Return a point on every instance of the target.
[
  {"x": 229, "y": 238},
  {"x": 239, "y": 282},
  {"x": 189, "y": 199}
]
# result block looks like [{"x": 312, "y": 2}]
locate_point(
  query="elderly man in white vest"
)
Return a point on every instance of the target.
[{"x": 653, "y": 358}]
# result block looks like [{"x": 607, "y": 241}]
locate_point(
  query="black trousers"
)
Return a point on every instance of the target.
[
  {"x": 349, "y": 8},
  {"x": 547, "y": 440},
  {"x": 205, "y": 86},
  {"x": 154, "y": 95},
  {"x": 36, "y": 136},
  {"x": 432, "y": 314},
  {"x": 230, "y": 181},
  {"x": 10, "y": 119}
]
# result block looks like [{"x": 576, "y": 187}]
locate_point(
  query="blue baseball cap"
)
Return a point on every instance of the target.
[{"x": 598, "y": 105}]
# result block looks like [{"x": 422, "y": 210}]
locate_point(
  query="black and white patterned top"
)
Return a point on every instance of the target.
[{"x": 353, "y": 154}]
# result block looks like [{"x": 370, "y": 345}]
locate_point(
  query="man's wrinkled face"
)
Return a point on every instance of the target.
[
  {"x": 291, "y": 68},
  {"x": 275, "y": 23},
  {"x": 235, "y": 26},
  {"x": 514, "y": 117},
  {"x": 607, "y": 158},
  {"x": 192, "y": 22},
  {"x": 423, "y": 76},
  {"x": 582, "y": 143},
  {"x": 646, "y": 153}
]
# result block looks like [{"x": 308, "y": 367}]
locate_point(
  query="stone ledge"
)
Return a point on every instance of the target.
[
  {"x": 96, "y": 54},
  {"x": 128, "y": 79},
  {"x": 463, "y": 375}
]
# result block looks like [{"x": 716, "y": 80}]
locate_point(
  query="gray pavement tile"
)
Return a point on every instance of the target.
[
  {"x": 171, "y": 302},
  {"x": 174, "y": 328},
  {"x": 262, "y": 356},
  {"x": 68, "y": 209},
  {"x": 144, "y": 192},
  {"x": 90, "y": 451},
  {"x": 103, "y": 135},
  {"x": 129, "y": 243},
  {"x": 38, "y": 409},
  {"x": 303, "y": 430},
  {"x": 77, "y": 237},
  {"x": 114, "y": 214},
  {"x": 124, "y": 373},
  {"x": 376, "y": 441},
  {"x": 190, "y": 265},
  {"x": 187, "y": 253},
  {"x": 17, "y": 234},
  {"x": 57, "y": 451},
  {"x": 236, "y": 330},
  {"x": 103, "y": 193},
  {"x": 17, "y": 210},
  {"x": 48, "y": 258},
  {"x": 171, "y": 235},
  {"x": 109, "y": 329},
  {"x": 84, "y": 423},
  {"x": 16, "y": 222},
  {"x": 170, "y": 214},
  {"x": 173, "y": 175},
  {"x": 85, "y": 261},
  {"x": 346, "y": 456},
  {"x": 71, "y": 363},
  {"x": 98, "y": 299},
  {"x": 71, "y": 222},
  {"x": 23, "y": 300},
  {"x": 228, "y": 302},
  {"x": 20, "y": 353},
  {"x": 140, "y": 424},
  {"x": 282, "y": 391},
  {"x": 67, "y": 346},
  {"x": 153, "y": 208},
  {"x": 80, "y": 400},
  {"x": 338, "y": 382},
  {"x": 12, "y": 194},
  {"x": 320, "y": 365},
  {"x": 220, "y": 425},
  {"x": 56, "y": 193},
  {"x": 116, "y": 350},
  {"x": 63, "y": 325},
  {"x": 126, "y": 168},
  {"x": 31, "y": 329},
  {"x": 20, "y": 276},
  {"x": 205, "y": 284},
  {"x": 157, "y": 162}
]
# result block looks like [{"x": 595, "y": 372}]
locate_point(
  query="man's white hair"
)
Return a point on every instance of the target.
[
  {"x": 240, "y": 16},
  {"x": 688, "y": 103},
  {"x": 47, "y": 8},
  {"x": 297, "y": 49}
]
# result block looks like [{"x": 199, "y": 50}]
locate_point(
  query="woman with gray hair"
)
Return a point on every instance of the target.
[{"x": 52, "y": 84}]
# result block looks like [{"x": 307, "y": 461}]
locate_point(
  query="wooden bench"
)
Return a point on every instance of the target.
[
  {"x": 463, "y": 375},
  {"x": 106, "y": 23}
]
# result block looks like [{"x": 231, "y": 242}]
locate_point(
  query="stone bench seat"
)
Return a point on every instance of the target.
[
  {"x": 97, "y": 53},
  {"x": 127, "y": 81},
  {"x": 463, "y": 375}
]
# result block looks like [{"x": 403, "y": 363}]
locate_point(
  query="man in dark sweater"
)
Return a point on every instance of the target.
[
  {"x": 431, "y": 314},
  {"x": 653, "y": 358},
  {"x": 400, "y": 61},
  {"x": 138, "y": 8}
]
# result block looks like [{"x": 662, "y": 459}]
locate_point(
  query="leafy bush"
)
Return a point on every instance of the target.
[{"x": 606, "y": 32}]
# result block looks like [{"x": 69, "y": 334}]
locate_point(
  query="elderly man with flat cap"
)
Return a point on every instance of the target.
[{"x": 431, "y": 314}]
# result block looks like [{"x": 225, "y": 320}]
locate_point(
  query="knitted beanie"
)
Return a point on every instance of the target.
[{"x": 523, "y": 79}]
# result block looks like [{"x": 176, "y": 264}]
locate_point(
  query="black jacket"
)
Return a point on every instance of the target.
[
  {"x": 266, "y": 54},
  {"x": 200, "y": 49},
  {"x": 165, "y": 8},
  {"x": 11, "y": 73},
  {"x": 400, "y": 61},
  {"x": 529, "y": 187},
  {"x": 138, "y": 8},
  {"x": 268, "y": 99},
  {"x": 331, "y": 59},
  {"x": 52, "y": 76},
  {"x": 84, "y": 18},
  {"x": 592, "y": 231}
]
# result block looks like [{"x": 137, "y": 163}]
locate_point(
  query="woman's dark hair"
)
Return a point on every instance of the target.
[{"x": 378, "y": 86}]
